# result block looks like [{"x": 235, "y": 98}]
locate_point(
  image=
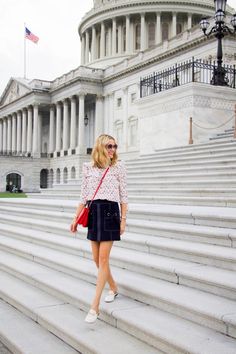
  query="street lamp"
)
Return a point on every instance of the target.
[{"x": 220, "y": 29}]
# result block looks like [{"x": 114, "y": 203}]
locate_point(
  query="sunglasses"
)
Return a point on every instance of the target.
[{"x": 110, "y": 146}]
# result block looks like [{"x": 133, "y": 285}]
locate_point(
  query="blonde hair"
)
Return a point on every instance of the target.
[{"x": 100, "y": 157}]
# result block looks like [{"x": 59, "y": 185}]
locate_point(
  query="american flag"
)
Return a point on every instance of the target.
[{"x": 29, "y": 35}]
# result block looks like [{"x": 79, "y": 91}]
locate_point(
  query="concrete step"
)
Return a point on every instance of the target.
[
  {"x": 173, "y": 169},
  {"x": 186, "y": 200},
  {"x": 206, "y": 309},
  {"x": 67, "y": 321},
  {"x": 198, "y": 147},
  {"x": 219, "y": 256},
  {"x": 196, "y": 215},
  {"x": 141, "y": 227},
  {"x": 179, "y": 163},
  {"x": 207, "y": 151},
  {"x": 48, "y": 251},
  {"x": 169, "y": 159},
  {"x": 204, "y": 192},
  {"x": 23, "y": 335}
]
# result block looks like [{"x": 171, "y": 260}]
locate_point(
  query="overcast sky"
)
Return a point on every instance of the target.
[{"x": 55, "y": 22}]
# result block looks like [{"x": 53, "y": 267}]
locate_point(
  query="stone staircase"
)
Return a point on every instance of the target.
[
  {"x": 202, "y": 174},
  {"x": 175, "y": 265}
]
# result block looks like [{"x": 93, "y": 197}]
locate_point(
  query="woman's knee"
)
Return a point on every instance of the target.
[
  {"x": 96, "y": 261},
  {"x": 103, "y": 261}
]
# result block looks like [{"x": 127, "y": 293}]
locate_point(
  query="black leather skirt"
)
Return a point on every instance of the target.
[{"x": 104, "y": 221}]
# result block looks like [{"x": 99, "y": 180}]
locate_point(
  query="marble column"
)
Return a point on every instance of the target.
[
  {"x": 82, "y": 54},
  {"x": 189, "y": 21},
  {"x": 109, "y": 42},
  {"x": 9, "y": 134},
  {"x": 93, "y": 45},
  {"x": 143, "y": 32},
  {"x": 174, "y": 24},
  {"x": 52, "y": 130},
  {"x": 40, "y": 124},
  {"x": 158, "y": 28},
  {"x": 119, "y": 39},
  {"x": 127, "y": 34},
  {"x": 58, "y": 128},
  {"x": 98, "y": 116},
  {"x": 14, "y": 133},
  {"x": 35, "y": 129},
  {"x": 18, "y": 137},
  {"x": 114, "y": 36},
  {"x": 29, "y": 130},
  {"x": 87, "y": 47},
  {"x": 4, "y": 135},
  {"x": 65, "y": 125},
  {"x": 102, "y": 41},
  {"x": 81, "y": 140},
  {"x": 1, "y": 135},
  {"x": 73, "y": 123},
  {"x": 24, "y": 131}
]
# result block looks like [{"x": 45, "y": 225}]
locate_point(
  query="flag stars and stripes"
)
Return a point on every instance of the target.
[{"x": 29, "y": 35}]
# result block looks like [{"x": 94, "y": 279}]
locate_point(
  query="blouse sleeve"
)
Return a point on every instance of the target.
[
  {"x": 83, "y": 194},
  {"x": 123, "y": 184}
]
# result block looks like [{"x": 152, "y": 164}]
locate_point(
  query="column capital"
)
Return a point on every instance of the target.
[
  {"x": 65, "y": 102},
  {"x": 99, "y": 97},
  {"x": 82, "y": 93},
  {"x": 52, "y": 106},
  {"x": 73, "y": 98}
]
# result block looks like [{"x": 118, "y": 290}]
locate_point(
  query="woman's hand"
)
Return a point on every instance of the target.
[
  {"x": 73, "y": 227},
  {"x": 122, "y": 226}
]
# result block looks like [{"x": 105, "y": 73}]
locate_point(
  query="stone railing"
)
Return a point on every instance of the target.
[{"x": 80, "y": 72}]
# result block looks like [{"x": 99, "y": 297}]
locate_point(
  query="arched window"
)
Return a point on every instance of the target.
[
  {"x": 65, "y": 175},
  {"x": 179, "y": 28},
  {"x": 151, "y": 34},
  {"x": 137, "y": 36},
  {"x": 165, "y": 31},
  {"x": 44, "y": 178}
]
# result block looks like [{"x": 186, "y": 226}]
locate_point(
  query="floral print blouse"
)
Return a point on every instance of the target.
[{"x": 113, "y": 186}]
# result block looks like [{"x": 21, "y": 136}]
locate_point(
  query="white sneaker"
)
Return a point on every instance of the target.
[
  {"x": 111, "y": 296},
  {"x": 91, "y": 316}
]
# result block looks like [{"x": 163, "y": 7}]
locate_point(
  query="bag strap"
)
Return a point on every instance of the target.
[{"x": 104, "y": 174}]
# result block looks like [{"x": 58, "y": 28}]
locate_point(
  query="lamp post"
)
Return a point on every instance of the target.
[{"x": 220, "y": 29}]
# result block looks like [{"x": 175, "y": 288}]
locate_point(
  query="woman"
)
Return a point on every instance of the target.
[{"x": 106, "y": 220}]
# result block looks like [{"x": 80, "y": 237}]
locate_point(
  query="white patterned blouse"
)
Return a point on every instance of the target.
[{"x": 113, "y": 186}]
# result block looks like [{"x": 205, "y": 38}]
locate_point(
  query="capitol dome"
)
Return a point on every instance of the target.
[{"x": 115, "y": 29}]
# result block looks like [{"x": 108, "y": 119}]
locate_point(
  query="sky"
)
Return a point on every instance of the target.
[{"x": 55, "y": 22}]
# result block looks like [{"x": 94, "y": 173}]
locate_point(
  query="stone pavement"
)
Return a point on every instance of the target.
[{"x": 3, "y": 349}]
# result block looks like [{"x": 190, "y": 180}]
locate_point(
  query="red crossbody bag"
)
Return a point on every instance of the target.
[{"x": 82, "y": 218}]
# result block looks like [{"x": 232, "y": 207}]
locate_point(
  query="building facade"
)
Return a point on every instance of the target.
[{"x": 47, "y": 129}]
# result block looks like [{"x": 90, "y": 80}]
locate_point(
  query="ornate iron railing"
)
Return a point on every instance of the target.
[{"x": 190, "y": 71}]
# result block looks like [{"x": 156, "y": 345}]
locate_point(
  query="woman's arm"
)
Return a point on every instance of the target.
[
  {"x": 123, "y": 209},
  {"x": 82, "y": 197}
]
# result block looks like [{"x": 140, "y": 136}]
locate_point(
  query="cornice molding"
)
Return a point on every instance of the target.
[{"x": 159, "y": 6}]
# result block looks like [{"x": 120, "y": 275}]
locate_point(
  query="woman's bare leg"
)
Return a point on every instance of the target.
[
  {"x": 95, "y": 250},
  {"x": 103, "y": 272}
]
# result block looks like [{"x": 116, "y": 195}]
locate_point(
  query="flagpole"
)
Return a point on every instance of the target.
[{"x": 24, "y": 53}]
